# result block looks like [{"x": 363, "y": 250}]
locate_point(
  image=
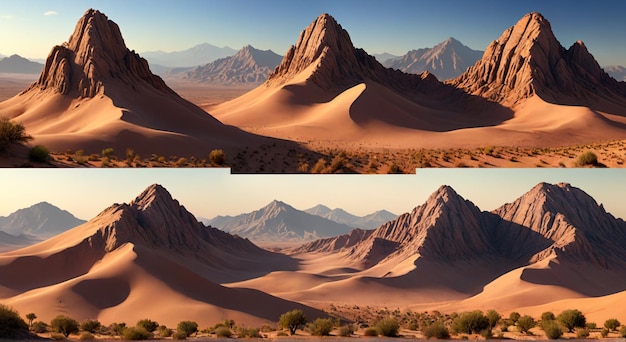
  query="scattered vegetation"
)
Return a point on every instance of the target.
[
  {"x": 148, "y": 325},
  {"x": 370, "y": 332},
  {"x": 187, "y": 327},
  {"x": 572, "y": 319},
  {"x": 587, "y": 158},
  {"x": 39, "y": 327},
  {"x": 388, "y": 327},
  {"x": 11, "y": 324},
  {"x": 525, "y": 323},
  {"x": 31, "y": 317},
  {"x": 90, "y": 326},
  {"x": 86, "y": 335},
  {"x": 292, "y": 320},
  {"x": 552, "y": 329},
  {"x": 12, "y": 133},
  {"x": 470, "y": 322},
  {"x": 320, "y": 327},
  {"x": 436, "y": 330},
  {"x": 64, "y": 325},
  {"x": 136, "y": 333},
  {"x": 612, "y": 324},
  {"x": 217, "y": 157},
  {"x": 346, "y": 330},
  {"x": 223, "y": 332}
]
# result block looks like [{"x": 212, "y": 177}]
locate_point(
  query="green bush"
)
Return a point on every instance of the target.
[
  {"x": 525, "y": 323},
  {"x": 117, "y": 329},
  {"x": 249, "y": 332},
  {"x": 587, "y": 158},
  {"x": 493, "y": 316},
  {"x": 514, "y": 316},
  {"x": 591, "y": 326},
  {"x": 164, "y": 331},
  {"x": 547, "y": 316},
  {"x": 572, "y": 319},
  {"x": 437, "y": 330},
  {"x": 38, "y": 154},
  {"x": 370, "y": 332},
  {"x": 292, "y": 320},
  {"x": 552, "y": 329},
  {"x": 148, "y": 324},
  {"x": 64, "y": 325},
  {"x": 136, "y": 333},
  {"x": 108, "y": 152},
  {"x": 387, "y": 327},
  {"x": 612, "y": 324},
  {"x": 39, "y": 327},
  {"x": 90, "y": 325},
  {"x": 179, "y": 335},
  {"x": 11, "y": 133},
  {"x": 187, "y": 327},
  {"x": 86, "y": 335},
  {"x": 320, "y": 327},
  {"x": 346, "y": 330},
  {"x": 217, "y": 157},
  {"x": 604, "y": 332},
  {"x": 11, "y": 324},
  {"x": 582, "y": 332},
  {"x": 470, "y": 322},
  {"x": 223, "y": 332}
]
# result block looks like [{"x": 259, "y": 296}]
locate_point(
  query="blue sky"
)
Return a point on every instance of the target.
[
  {"x": 211, "y": 192},
  {"x": 31, "y": 28}
]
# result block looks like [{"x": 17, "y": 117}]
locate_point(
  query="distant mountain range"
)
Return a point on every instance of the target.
[
  {"x": 198, "y": 55},
  {"x": 339, "y": 215},
  {"x": 247, "y": 66},
  {"x": 41, "y": 220},
  {"x": 618, "y": 72},
  {"x": 445, "y": 60},
  {"x": 19, "y": 65}
]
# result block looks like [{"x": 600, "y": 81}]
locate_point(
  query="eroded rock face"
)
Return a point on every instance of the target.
[
  {"x": 248, "y": 65},
  {"x": 95, "y": 55},
  {"x": 527, "y": 59},
  {"x": 336, "y": 64}
]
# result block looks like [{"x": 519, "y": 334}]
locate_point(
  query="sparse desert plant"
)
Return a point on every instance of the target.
[
  {"x": 514, "y": 316},
  {"x": 39, "y": 327},
  {"x": 525, "y": 323},
  {"x": 370, "y": 332},
  {"x": 11, "y": 324},
  {"x": 217, "y": 157},
  {"x": 182, "y": 162},
  {"x": 108, "y": 152},
  {"x": 130, "y": 154},
  {"x": 493, "y": 316},
  {"x": 587, "y": 158},
  {"x": 604, "y": 332},
  {"x": 117, "y": 328},
  {"x": 249, "y": 332},
  {"x": 86, "y": 335},
  {"x": 179, "y": 335},
  {"x": 64, "y": 325},
  {"x": 622, "y": 331},
  {"x": 12, "y": 132},
  {"x": 582, "y": 332},
  {"x": 90, "y": 325},
  {"x": 320, "y": 166},
  {"x": 148, "y": 324},
  {"x": 38, "y": 154},
  {"x": 346, "y": 330},
  {"x": 387, "y": 327},
  {"x": 591, "y": 325},
  {"x": 31, "y": 317},
  {"x": 572, "y": 319},
  {"x": 437, "y": 330},
  {"x": 223, "y": 332},
  {"x": 136, "y": 333},
  {"x": 470, "y": 322},
  {"x": 547, "y": 316},
  {"x": 292, "y": 320},
  {"x": 552, "y": 329},
  {"x": 320, "y": 327},
  {"x": 612, "y": 324},
  {"x": 394, "y": 168},
  {"x": 188, "y": 327},
  {"x": 164, "y": 331}
]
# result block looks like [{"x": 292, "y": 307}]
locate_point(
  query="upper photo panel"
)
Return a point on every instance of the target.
[{"x": 346, "y": 86}]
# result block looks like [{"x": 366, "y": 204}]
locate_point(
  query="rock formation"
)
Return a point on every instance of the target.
[
  {"x": 527, "y": 59},
  {"x": 42, "y": 219},
  {"x": 445, "y": 60},
  {"x": 247, "y": 66}
]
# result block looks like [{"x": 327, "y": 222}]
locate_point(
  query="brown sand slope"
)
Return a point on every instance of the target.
[{"x": 146, "y": 258}]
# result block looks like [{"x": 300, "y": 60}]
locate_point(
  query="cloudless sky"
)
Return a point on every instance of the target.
[
  {"x": 31, "y": 28},
  {"x": 211, "y": 192}
]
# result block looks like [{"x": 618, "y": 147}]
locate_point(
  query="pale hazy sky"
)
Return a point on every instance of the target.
[
  {"x": 31, "y": 28},
  {"x": 211, "y": 192}
]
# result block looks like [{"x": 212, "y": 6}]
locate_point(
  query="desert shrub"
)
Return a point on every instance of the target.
[
  {"x": 117, "y": 328},
  {"x": 387, "y": 327},
  {"x": 57, "y": 336},
  {"x": 394, "y": 168},
  {"x": 514, "y": 316},
  {"x": 525, "y": 323},
  {"x": 587, "y": 158},
  {"x": 281, "y": 333},
  {"x": 136, "y": 333},
  {"x": 179, "y": 335},
  {"x": 493, "y": 316},
  {"x": 572, "y": 319},
  {"x": 223, "y": 332},
  {"x": 436, "y": 330},
  {"x": 12, "y": 132},
  {"x": 604, "y": 332},
  {"x": 182, "y": 162},
  {"x": 39, "y": 327},
  {"x": 249, "y": 332},
  {"x": 320, "y": 327},
  {"x": 292, "y": 320},
  {"x": 148, "y": 324},
  {"x": 108, "y": 152},
  {"x": 38, "y": 154},
  {"x": 470, "y": 322},
  {"x": 582, "y": 332},
  {"x": 64, "y": 325},
  {"x": 622, "y": 331},
  {"x": 130, "y": 154},
  {"x": 320, "y": 166},
  {"x": 11, "y": 324},
  {"x": 486, "y": 333},
  {"x": 547, "y": 316},
  {"x": 164, "y": 331},
  {"x": 188, "y": 327},
  {"x": 370, "y": 332},
  {"x": 86, "y": 335},
  {"x": 90, "y": 325},
  {"x": 346, "y": 330},
  {"x": 552, "y": 329},
  {"x": 217, "y": 157},
  {"x": 591, "y": 325},
  {"x": 612, "y": 324}
]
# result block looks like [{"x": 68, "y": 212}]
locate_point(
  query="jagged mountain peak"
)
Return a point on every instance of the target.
[
  {"x": 94, "y": 55},
  {"x": 154, "y": 193}
]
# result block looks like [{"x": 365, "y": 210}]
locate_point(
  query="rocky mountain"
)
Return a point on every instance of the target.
[
  {"x": 445, "y": 60},
  {"x": 19, "y": 65},
  {"x": 279, "y": 222},
  {"x": 339, "y": 215},
  {"x": 248, "y": 65},
  {"x": 42, "y": 220},
  {"x": 10, "y": 242},
  {"x": 383, "y": 57},
  {"x": 151, "y": 245},
  {"x": 198, "y": 55},
  {"x": 527, "y": 59},
  {"x": 618, "y": 72}
]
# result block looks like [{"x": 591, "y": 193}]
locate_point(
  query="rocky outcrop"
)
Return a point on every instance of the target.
[
  {"x": 445, "y": 60},
  {"x": 527, "y": 59},
  {"x": 325, "y": 52},
  {"x": 95, "y": 55},
  {"x": 247, "y": 66},
  {"x": 336, "y": 243},
  {"x": 279, "y": 222}
]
